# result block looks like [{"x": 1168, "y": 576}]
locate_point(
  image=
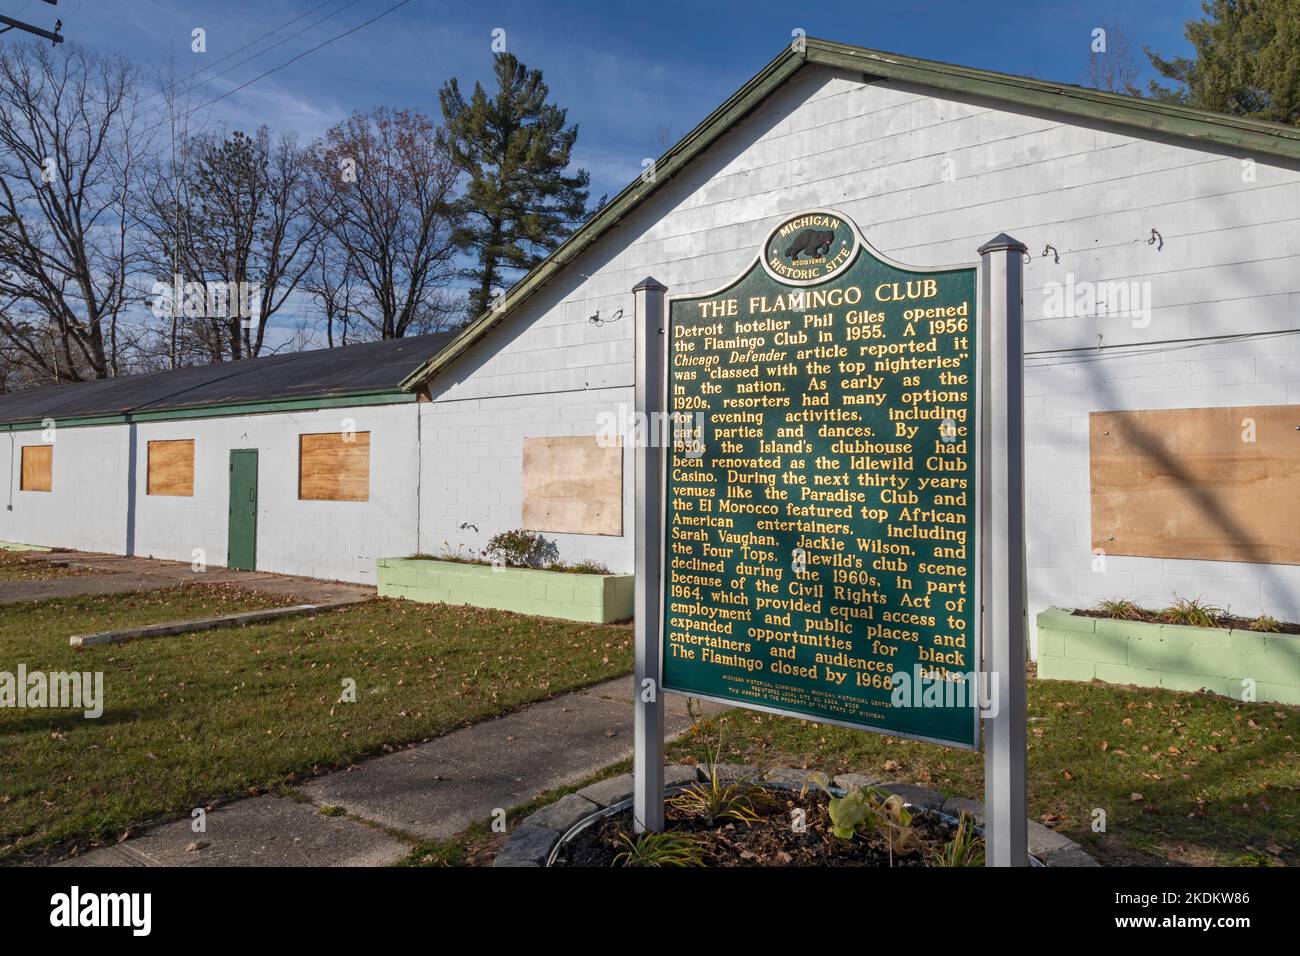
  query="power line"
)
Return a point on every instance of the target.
[
  {"x": 280, "y": 42},
  {"x": 289, "y": 62},
  {"x": 194, "y": 80},
  {"x": 292, "y": 60},
  {"x": 12, "y": 24}
]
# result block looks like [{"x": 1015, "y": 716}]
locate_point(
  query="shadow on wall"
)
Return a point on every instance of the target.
[{"x": 1210, "y": 509}]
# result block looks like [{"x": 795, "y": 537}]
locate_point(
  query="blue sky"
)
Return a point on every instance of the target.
[
  {"x": 635, "y": 77},
  {"x": 629, "y": 74}
]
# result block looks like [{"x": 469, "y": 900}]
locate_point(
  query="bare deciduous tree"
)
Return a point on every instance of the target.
[
  {"x": 1114, "y": 68},
  {"x": 69, "y": 156},
  {"x": 233, "y": 211},
  {"x": 383, "y": 190}
]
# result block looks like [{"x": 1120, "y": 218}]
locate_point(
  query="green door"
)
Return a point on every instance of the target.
[{"x": 242, "y": 551}]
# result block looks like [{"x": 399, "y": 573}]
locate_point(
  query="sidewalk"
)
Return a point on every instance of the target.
[
  {"x": 115, "y": 574},
  {"x": 427, "y": 792}
]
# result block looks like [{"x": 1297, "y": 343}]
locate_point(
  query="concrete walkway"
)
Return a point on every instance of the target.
[
  {"x": 115, "y": 574},
  {"x": 430, "y": 791}
]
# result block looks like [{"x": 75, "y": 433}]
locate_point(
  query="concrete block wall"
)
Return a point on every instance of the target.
[
  {"x": 86, "y": 507},
  {"x": 335, "y": 540},
  {"x": 1241, "y": 664},
  {"x": 598, "y": 599},
  {"x": 929, "y": 177},
  {"x": 473, "y": 468},
  {"x": 1059, "y": 394}
]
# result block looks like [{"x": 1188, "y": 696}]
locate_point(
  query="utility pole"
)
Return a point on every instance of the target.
[{"x": 11, "y": 24}]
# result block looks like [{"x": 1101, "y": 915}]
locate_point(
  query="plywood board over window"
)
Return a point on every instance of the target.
[
  {"x": 573, "y": 485},
  {"x": 334, "y": 466},
  {"x": 171, "y": 468},
  {"x": 1217, "y": 484},
  {"x": 38, "y": 468}
]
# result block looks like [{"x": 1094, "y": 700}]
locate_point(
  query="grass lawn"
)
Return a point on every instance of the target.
[
  {"x": 29, "y": 625},
  {"x": 1184, "y": 779},
  {"x": 193, "y": 719},
  {"x": 19, "y": 566}
]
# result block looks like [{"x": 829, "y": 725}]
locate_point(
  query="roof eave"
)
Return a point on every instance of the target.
[
  {"x": 1256, "y": 137},
  {"x": 669, "y": 165}
]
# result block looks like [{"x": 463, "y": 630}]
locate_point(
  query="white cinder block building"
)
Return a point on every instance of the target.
[{"x": 1163, "y": 273}]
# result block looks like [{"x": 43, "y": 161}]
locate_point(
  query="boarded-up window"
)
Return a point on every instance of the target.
[
  {"x": 171, "y": 468},
  {"x": 334, "y": 467},
  {"x": 1219, "y": 484},
  {"x": 573, "y": 485},
  {"x": 38, "y": 468}
]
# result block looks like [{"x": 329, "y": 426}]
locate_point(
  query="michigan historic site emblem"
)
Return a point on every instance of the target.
[{"x": 810, "y": 247}]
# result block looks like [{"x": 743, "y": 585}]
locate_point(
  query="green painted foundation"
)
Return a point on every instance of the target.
[
  {"x": 15, "y": 546},
  {"x": 1072, "y": 647},
  {"x": 596, "y": 598}
]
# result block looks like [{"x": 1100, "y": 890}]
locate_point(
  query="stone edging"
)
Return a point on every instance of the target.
[
  {"x": 206, "y": 623},
  {"x": 533, "y": 840}
]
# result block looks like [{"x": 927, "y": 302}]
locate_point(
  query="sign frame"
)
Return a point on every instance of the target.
[{"x": 979, "y": 336}]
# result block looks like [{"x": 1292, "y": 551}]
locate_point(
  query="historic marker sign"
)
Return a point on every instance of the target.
[{"x": 820, "y": 555}]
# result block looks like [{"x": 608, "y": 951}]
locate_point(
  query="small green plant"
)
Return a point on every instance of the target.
[
  {"x": 659, "y": 849},
  {"x": 585, "y": 567},
  {"x": 871, "y": 813},
  {"x": 1191, "y": 613},
  {"x": 514, "y": 549},
  {"x": 1266, "y": 623},
  {"x": 966, "y": 848},
  {"x": 1122, "y": 610},
  {"x": 713, "y": 801}
]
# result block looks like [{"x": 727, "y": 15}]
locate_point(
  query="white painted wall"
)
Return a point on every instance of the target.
[
  {"x": 928, "y": 179},
  {"x": 473, "y": 458},
  {"x": 87, "y": 505},
  {"x": 1230, "y": 263},
  {"x": 336, "y": 540}
]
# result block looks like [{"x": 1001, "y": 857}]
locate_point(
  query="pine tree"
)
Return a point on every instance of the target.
[
  {"x": 1247, "y": 61},
  {"x": 514, "y": 148}
]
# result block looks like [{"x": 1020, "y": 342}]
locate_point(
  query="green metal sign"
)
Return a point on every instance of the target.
[{"x": 820, "y": 555}]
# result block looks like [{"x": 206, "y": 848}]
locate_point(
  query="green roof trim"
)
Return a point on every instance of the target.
[
  {"x": 1202, "y": 127},
  {"x": 219, "y": 411}
]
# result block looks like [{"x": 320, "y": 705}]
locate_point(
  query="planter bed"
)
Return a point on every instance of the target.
[
  {"x": 583, "y": 828},
  {"x": 1081, "y": 646},
  {"x": 594, "y": 598}
]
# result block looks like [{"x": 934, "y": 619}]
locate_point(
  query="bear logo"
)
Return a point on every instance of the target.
[{"x": 811, "y": 242}]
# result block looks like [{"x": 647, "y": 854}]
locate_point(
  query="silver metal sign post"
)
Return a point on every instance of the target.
[
  {"x": 648, "y": 757},
  {"x": 1003, "y": 506}
]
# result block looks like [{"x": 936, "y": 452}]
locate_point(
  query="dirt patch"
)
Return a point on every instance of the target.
[
  {"x": 21, "y": 566},
  {"x": 771, "y": 840}
]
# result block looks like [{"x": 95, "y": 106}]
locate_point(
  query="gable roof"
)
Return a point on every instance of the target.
[
  {"x": 1199, "y": 127},
  {"x": 352, "y": 373}
]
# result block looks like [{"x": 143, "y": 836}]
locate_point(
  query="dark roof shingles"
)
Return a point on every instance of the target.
[{"x": 369, "y": 367}]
